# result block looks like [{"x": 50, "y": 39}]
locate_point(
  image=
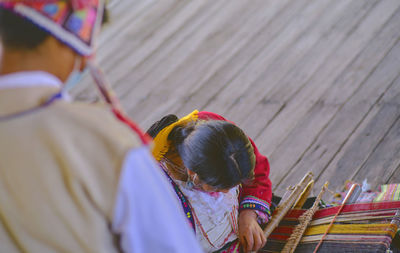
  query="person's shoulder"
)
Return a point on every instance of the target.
[{"x": 94, "y": 119}]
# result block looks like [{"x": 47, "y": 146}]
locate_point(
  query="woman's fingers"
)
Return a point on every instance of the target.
[
  {"x": 259, "y": 239},
  {"x": 251, "y": 235},
  {"x": 248, "y": 241},
  {"x": 243, "y": 242},
  {"x": 263, "y": 238},
  {"x": 252, "y": 240}
]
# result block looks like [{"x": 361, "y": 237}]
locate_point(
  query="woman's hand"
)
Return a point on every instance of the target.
[{"x": 251, "y": 235}]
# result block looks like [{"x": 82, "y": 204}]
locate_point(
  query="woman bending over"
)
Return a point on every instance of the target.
[{"x": 220, "y": 179}]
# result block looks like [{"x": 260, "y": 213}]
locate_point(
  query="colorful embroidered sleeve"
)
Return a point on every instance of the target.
[{"x": 258, "y": 194}]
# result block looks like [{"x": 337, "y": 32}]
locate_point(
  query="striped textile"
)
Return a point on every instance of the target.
[
  {"x": 362, "y": 227},
  {"x": 387, "y": 192}
]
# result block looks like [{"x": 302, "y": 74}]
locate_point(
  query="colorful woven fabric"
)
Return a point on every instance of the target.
[
  {"x": 251, "y": 202},
  {"x": 233, "y": 247},
  {"x": 388, "y": 192},
  {"x": 74, "y": 22},
  {"x": 365, "y": 227}
]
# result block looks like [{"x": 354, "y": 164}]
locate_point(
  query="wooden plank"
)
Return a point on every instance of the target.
[
  {"x": 120, "y": 21},
  {"x": 289, "y": 86},
  {"x": 385, "y": 159},
  {"x": 345, "y": 121},
  {"x": 141, "y": 61},
  {"x": 325, "y": 75},
  {"x": 378, "y": 166},
  {"x": 298, "y": 141},
  {"x": 190, "y": 59},
  {"x": 139, "y": 24},
  {"x": 349, "y": 161},
  {"x": 147, "y": 75},
  {"x": 118, "y": 7},
  {"x": 224, "y": 39},
  {"x": 395, "y": 178},
  {"x": 276, "y": 18},
  {"x": 168, "y": 36},
  {"x": 140, "y": 38},
  {"x": 269, "y": 78},
  {"x": 276, "y": 99},
  {"x": 253, "y": 103},
  {"x": 360, "y": 145},
  {"x": 241, "y": 83}
]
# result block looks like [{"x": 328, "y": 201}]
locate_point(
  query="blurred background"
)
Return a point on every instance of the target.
[{"x": 315, "y": 83}]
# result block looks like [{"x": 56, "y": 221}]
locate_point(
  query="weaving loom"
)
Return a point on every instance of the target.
[
  {"x": 361, "y": 227},
  {"x": 365, "y": 227}
]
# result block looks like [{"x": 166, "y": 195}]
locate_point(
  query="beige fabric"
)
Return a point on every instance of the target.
[{"x": 59, "y": 170}]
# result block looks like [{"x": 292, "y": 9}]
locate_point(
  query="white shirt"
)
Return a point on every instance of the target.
[
  {"x": 215, "y": 215},
  {"x": 147, "y": 214}
]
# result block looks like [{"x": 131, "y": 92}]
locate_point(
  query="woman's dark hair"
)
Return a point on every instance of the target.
[
  {"x": 218, "y": 151},
  {"x": 19, "y": 33},
  {"x": 161, "y": 124}
]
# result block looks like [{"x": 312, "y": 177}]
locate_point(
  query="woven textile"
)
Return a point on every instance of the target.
[
  {"x": 387, "y": 192},
  {"x": 364, "y": 227}
]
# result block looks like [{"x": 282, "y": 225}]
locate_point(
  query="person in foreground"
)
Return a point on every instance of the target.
[
  {"x": 73, "y": 178},
  {"x": 220, "y": 178}
]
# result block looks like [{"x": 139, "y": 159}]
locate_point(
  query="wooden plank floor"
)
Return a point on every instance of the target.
[{"x": 316, "y": 83}]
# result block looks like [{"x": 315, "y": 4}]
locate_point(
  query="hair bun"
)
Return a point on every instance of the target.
[
  {"x": 180, "y": 133},
  {"x": 161, "y": 124}
]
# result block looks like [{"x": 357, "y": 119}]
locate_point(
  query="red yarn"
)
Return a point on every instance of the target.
[{"x": 145, "y": 138}]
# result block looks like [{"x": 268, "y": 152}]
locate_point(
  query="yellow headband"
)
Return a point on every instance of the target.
[{"x": 161, "y": 143}]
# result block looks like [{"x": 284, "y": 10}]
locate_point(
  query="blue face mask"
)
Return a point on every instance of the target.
[{"x": 75, "y": 77}]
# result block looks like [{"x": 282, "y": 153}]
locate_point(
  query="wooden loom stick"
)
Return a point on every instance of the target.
[
  {"x": 305, "y": 220},
  {"x": 287, "y": 204},
  {"x": 304, "y": 195},
  {"x": 349, "y": 194}
]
